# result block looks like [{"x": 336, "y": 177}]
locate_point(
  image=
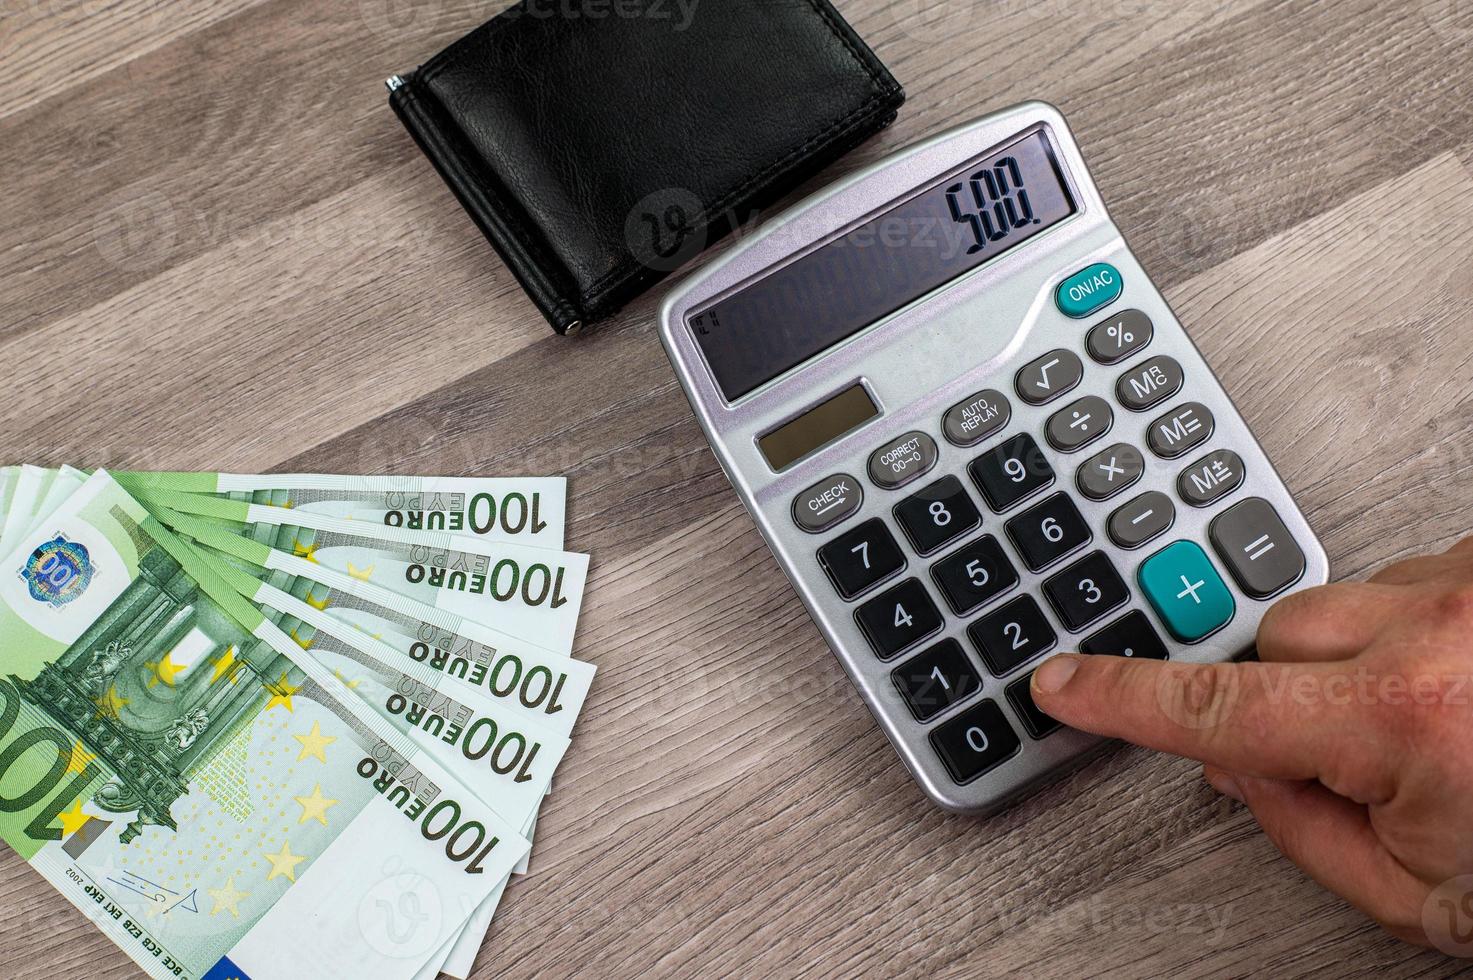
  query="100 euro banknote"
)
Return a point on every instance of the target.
[{"x": 218, "y": 802}]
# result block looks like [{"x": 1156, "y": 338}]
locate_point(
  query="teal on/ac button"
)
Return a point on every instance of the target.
[
  {"x": 1186, "y": 590},
  {"x": 1089, "y": 289}
]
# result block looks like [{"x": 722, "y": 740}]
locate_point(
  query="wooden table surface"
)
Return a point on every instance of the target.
[{"x": 220, "y": 251}]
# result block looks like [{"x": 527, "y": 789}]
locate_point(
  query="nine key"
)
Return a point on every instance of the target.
[{"x": 1012, "y": 472}]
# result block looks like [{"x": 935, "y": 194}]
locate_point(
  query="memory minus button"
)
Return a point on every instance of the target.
[{"x": 827, "y": 502}]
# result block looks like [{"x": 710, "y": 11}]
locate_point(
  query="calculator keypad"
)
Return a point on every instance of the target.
[
  {"x": 1012, "y": 472},
  {"x": 975, "y": 575},
  {"x": 1013, "y": 635},
  {"x": 862, "y": 558},
  {"x": 1047, "y": 531},
  {"x": 938, "y": 515},
  {"x": 899, "y": 618}
]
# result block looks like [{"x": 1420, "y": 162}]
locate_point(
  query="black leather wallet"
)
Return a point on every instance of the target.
[{"x": 598, "y": 153}]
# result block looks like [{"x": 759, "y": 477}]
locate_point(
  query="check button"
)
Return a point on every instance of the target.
[
  {"x": 1186, "y": 590},
  {"x": 827, "y": 502}
]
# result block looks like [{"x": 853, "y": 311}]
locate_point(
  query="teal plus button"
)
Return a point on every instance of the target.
[
  {"x": 1089, "y": 289},
  {"x": 1187, "y": 591}
]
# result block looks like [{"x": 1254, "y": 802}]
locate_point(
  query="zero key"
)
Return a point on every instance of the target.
[{"x": 1257, "y": 548}]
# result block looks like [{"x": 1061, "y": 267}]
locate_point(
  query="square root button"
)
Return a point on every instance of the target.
[{"x": 1191, "y": 598}]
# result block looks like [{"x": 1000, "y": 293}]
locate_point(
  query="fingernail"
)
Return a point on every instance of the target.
[
  {"x": 1225, "y": 784},
  {"x": 1053, "y": 675}
]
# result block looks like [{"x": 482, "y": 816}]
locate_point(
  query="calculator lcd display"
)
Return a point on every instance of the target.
[
  {"x": 951, "y": 227},
  {"x": 817, "y": 427}
]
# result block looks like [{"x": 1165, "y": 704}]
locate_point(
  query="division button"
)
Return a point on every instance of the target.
[
  {"x": 976, "y": 417},
  {"x": 827, "y": 502},
  {"x": 1149, "y": 384},
  {"x": 1091, "y": 288},
  {"x": 1181, "y": 430},
  {"x": 975, "y": 741},
  {"x": 1257, "y": 548},
  {"x": 901, "y": 460},
  {"x": 1050, "y": 376},
  {"x": 1191, "y": 598},
  {"x": 1112, "y": 471},
  {"x": 1115, "y": 339},
  {"x": 1077, "y": 425},
  {"x": 936, "y": 679},
  {"x": 1211, "y": 478},
  {"x": 1129, "y": 636},
  {"x": 1142, "y": 519}
]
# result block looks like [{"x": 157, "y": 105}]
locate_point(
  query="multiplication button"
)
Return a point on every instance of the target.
[
  {"x": 1112, "y": 471},
  {"x": 901, "y": 460},
  {"x": 1257, "y": 548},
  {"x": 827, "y": 502},
  {"x": 1119, "y": 337},
  {"x": 1048, "y": 377}
]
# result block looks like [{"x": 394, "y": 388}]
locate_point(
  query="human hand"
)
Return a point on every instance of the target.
[{"x": 1351, "y": 740}]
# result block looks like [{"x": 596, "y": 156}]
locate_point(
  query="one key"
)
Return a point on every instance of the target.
[
  {"x": 939, "y": 514},
  {"x": 1257, "y": 548},
  {"x": 1119, "y": 337},
  {"x": 1038, "y": 724},
  {"x": 1079, "y": 424},
  {"x": 975, "y": 741},
  {"x": 1211, "y": 478},
  {"x": 1148, "y": 385},
  {"x": 1129, "y": 636},
  {"x": 1053, "y": 374},
  {"x": 975, "y": 575},
  {"x": 1086, "y": 591},
  {"x": 1012, "y": 472},
  {"x": 1013, "y": 635},
  {"x": 898, "y": 618},
  {"x": 1047, "y": 531},
  {"x": 1142, "y": 519},
  {"x": 936, "y": 680},
  {"x": 1112, "y": 471},
  {"x": 1186, "y": 591},
  {"x": 861, "y": 558},
  {"x": 1181, "y": 430}
]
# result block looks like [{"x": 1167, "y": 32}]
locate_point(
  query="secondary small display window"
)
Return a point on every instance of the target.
[{"x": 818, "y": 426}]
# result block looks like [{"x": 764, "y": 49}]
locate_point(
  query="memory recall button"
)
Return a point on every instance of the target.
[
  {"x": 1148, "y": 385},
  {"x": 1211, "y": 478},
  {"x": 827, "y": 502},
  {"x": 970, "y": 421},
  {"x": 901, "y": 460}
]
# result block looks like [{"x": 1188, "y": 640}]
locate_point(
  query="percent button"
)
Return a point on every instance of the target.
[{"x": 1119, "y": 337}]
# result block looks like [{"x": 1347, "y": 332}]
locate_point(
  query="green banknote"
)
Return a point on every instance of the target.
[
  {"x": 508, "y": 669},
  {"x": 216, "y": 800},
  {"x": 25, "y": 499},
  {"x": 528, "y": 592},
  {"x": 527, "y": 510}
]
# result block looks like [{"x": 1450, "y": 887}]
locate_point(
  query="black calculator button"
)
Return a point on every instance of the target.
[
  {"x": 1257, "y": 548},
  {"x": 899, "y": 618},
  {"x": 862, "y": 557},
  {"x": 827, "y": 502},
  {"x": 1013, "y": 635},
  {"x": 1079, "y": 423},
  {"x": 1048, "y": 531},
  {"x": 1113, "y": 471},
  {"x": 1038, "y": 724},
  {"x": 1142, "y": 519},
  {"x": 936, "y": 680},
  {"x": 1086, "y": 591},
  {"x": 940, "y": 513},
  {"x": 1211, "y": 478},
  {"x": 1115, "y": 339},
  {"x": 1148, "y": 385},
  {"x": 1053, "y": 374},
  {"x": 976, "y": 417},
  {"x": 975, "y": 741},
  {"x": 902, "y": 460},
  {"x": 975, "y": 575},
  {"x": 1012, "y": 472},
  {"x": 1181, "y": 430},
  {"x": 1129, "y": 636}
]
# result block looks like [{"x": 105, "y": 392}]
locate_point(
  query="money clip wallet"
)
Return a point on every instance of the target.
[{"x": 599, "y": 153}]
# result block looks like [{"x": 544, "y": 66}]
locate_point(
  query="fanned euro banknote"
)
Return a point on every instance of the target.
[{"x": 244, "y": 760}]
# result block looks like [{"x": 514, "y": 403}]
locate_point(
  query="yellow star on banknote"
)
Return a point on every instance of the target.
[
  {"x": 315, "y": 807},
  {"x": 307, "y": 551},
  {"x": 351, "y": 684},
  {"x": 314, "y": 742},
  {"x": 361, "y": 574},
  {"x": 165, "y": 670},
  {"x": 225, "y": 666},
  {"x": 304, "y": 644},
  {"x": 281, "y": 694},
  {"x": 318, "y": 605},
  {"x": 79, "y": 758},
  {"x": 284, "y": 863},
  {"x": 73, "y": 820},
  {"x": 110, "y": 703},
  {"x": 227, "y": 898}
]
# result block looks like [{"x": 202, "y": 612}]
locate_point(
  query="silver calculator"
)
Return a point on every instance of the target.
[{"x": 973, "y": 432}]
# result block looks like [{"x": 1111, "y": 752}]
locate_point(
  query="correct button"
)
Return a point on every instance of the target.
[
  {"x": 901, "y": 460},
  {"x": 827, "y": 502}
]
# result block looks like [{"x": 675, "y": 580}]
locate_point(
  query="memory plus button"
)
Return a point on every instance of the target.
[
  {"x": 827, "y": 502},
  {"x": 1211, "y": 478}
]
